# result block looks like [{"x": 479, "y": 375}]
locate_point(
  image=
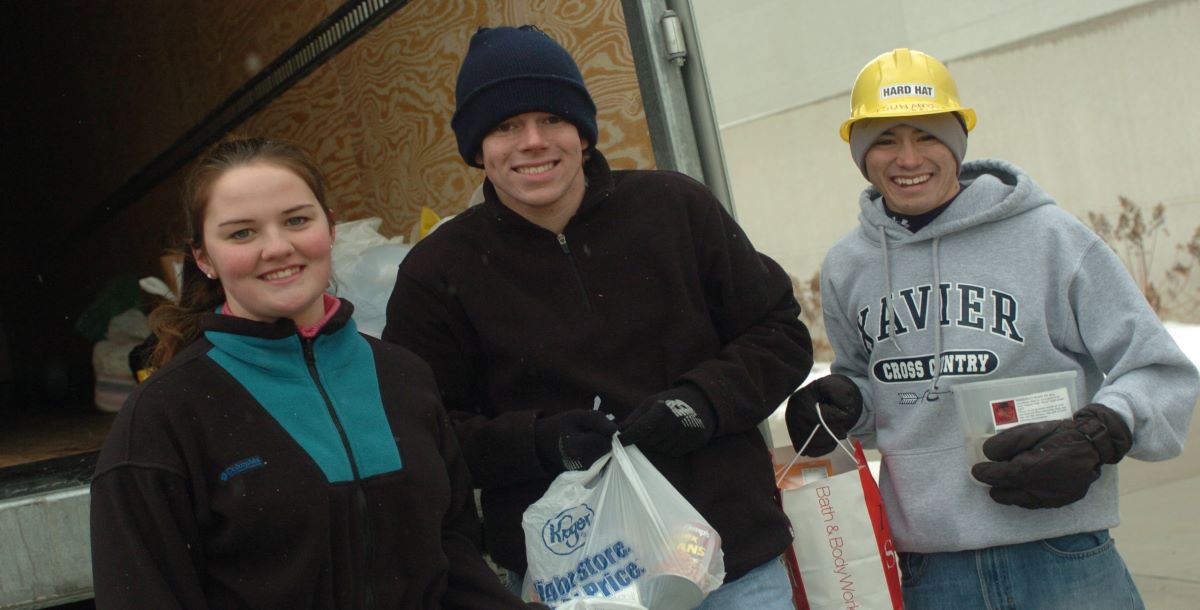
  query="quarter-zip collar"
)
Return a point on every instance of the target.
[
  {"x": 599, "y": 186},
  {"x": 283, "y": 327}
]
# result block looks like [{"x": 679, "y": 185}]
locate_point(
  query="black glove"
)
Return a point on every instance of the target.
[
  {"x": 1052, "y": 464},
  {"x": 841, "y": 405},
  {"x": 572, "y": 440},
  {"x": 676, "y": 422}
]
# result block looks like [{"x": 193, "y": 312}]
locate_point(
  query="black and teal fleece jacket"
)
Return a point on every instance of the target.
[{"x": 260, "y": 469}]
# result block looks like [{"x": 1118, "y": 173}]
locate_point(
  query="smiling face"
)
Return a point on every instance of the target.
[
  {"x": 913, "y": 170},
  {"x": 268, "y": 240},
  {"x": 535, "y": 162}
]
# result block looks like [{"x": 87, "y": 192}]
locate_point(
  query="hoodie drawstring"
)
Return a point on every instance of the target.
[
  {"x": 937, "y": 315},
  {"x": 890, "y": 311}
]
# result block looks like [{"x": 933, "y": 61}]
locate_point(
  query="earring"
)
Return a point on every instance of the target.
[{"x": 211, "y": 276}]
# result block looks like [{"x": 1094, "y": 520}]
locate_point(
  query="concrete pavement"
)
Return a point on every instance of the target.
[{"x": 1159, "y": 535}]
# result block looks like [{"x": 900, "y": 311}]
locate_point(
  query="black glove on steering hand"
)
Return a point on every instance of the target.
[
  {"x": 841, "y": 405},
  {"x": 572, "y": 440},
  {"x": 1052, "y": 464},
  {"x": 676, "y": 422}
]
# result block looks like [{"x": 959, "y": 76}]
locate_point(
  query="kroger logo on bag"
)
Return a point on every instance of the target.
[{"x": 565, "y": 532}]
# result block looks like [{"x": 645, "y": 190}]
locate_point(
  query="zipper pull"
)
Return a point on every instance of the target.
[
  {"x": 562, "y": 243},
  {"x": 306, "y": 345}
]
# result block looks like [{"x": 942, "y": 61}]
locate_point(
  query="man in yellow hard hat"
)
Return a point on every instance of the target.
[{"x": 965, "y": 272}]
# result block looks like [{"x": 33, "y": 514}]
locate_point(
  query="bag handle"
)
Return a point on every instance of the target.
[
  {"x": 621, "y": 458},
  {"x": 824, "y": 426}
]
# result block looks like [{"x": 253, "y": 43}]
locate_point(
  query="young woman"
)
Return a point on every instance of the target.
[{"x": 278, "y": 458}]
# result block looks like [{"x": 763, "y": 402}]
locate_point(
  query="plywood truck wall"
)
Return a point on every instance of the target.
[{"x": 378, "y": 114}]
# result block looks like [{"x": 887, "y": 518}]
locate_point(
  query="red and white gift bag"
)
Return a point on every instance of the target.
[{"x": 842, "y": 554}]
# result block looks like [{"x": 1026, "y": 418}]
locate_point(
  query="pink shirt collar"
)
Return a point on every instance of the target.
[{"x": 308, "y": 332}]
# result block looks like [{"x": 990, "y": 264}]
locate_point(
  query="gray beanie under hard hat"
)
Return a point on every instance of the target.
[
  {"x": 944, "y": 126},
  {"x": 510, "y": 71}
]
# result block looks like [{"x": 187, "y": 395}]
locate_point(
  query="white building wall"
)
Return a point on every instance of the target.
[
  {"x": 1093, "y": 103},
  {"x": 774, "y": 55}
]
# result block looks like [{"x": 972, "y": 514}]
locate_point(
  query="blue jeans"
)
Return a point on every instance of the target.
[
  {"x": 513, "y": 581},
  {"x": 764, "y": 588},
  {"x": 1078, "y": 570}
]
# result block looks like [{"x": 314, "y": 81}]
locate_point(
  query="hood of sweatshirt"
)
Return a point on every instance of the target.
[{"x": 991, "y": 190}]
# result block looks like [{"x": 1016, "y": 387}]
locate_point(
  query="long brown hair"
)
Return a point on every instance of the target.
[{"x": 176, "y": 325}]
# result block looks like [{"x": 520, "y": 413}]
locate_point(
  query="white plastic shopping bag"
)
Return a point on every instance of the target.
[
  {"x": 365, "y": 264},
  {"x": 842, "y": 554},
  {"x": 619, "y": 535}
]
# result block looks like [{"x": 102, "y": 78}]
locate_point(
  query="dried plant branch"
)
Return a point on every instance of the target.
[
  {"x": 808, "y": 294},
  {"x": 1135, "y": 240}
]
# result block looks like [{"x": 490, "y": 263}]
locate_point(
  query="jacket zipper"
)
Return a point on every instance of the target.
[
  {"x": 562, "y": 243},
  {"x": 360, "y": 496}
]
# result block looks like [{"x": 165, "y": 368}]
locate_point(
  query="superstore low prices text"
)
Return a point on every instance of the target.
[{"x": 602, "y": 574}]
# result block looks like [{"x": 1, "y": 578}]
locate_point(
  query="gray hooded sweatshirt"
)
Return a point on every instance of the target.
[{"x": 1002, "y": 284}]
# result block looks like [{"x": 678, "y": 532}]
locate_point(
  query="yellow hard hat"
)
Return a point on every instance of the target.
[{"x": 904, "y": 83}]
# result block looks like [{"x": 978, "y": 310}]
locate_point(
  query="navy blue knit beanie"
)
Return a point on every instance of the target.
[{"x": 510, "y": 71}]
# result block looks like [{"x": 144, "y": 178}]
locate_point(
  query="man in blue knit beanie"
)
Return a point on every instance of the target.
[
  {"x": 577, "y": 301},
  {"x": 510, "y": 71}
]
